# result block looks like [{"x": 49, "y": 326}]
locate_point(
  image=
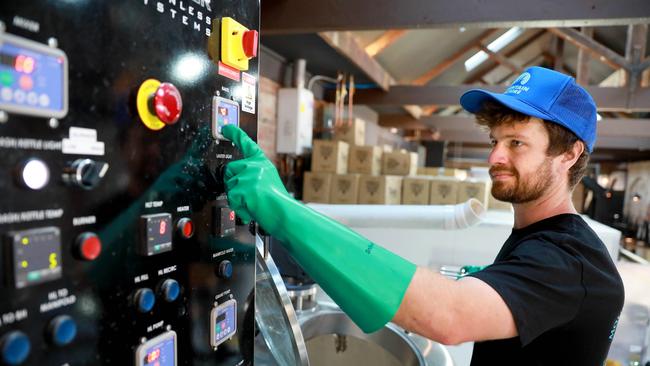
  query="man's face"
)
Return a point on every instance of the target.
[{"x": 519, "y": 167}]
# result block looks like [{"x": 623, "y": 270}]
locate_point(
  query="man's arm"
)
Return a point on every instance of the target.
[{"x": 452, "y": 312}]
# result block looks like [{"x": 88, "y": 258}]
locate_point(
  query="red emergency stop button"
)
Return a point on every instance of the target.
[
  {"x": 88, "y": 246},
  {"x": 185, "y": 227},
  {"x": 167, "y": 103},
  {"x": 249, "y": 43}
]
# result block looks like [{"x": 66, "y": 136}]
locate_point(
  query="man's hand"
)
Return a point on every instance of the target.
[
  {"x": 365, "y": 280},
  {"x": 253, "y": 182}
]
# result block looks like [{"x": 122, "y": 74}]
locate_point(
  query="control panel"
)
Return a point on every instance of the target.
[{"x": 117, "y": 243}]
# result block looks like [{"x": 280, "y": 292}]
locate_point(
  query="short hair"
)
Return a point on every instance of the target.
[{"x": 561, "y": 139}]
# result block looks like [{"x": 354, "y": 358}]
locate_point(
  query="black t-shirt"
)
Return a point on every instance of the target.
[{"x": 564, "y": 293}]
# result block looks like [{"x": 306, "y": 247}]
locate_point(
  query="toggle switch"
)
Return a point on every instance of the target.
[
  {"x": 158, "y": 104},
  {"x": 84, "y": 173}
]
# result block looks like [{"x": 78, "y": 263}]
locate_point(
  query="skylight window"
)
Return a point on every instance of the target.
[{"x": 494, "y": 46}]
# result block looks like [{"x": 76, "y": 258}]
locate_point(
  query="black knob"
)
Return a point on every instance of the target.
[
  {"x": 224, "y": 270},
  {"x": 85, "y": 173}
]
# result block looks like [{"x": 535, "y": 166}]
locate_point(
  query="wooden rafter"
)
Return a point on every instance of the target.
[
  {"x": 348, "y": 46},
  {"x": 501, "y": 59},
  {"x": 635, "y": 53},
  {"x": 452, "y": 59},
  {"x": 582, "y": 70},
  {"x": 598, "y": 50},
  {"x": 510, "y": 53},
  {"x": 385, "y": 40}
]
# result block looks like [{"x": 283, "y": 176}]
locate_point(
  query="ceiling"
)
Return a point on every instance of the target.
[{"x": 432, "y": 53}]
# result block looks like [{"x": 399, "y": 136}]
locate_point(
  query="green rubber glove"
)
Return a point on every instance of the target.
[{"x": 367, "y": 281}]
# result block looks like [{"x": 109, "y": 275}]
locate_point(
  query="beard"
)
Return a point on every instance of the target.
[{"x": 516, "y": 190}]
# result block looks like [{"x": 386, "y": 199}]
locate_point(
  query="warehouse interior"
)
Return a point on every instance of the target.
[{"x": 141, "y": 226}]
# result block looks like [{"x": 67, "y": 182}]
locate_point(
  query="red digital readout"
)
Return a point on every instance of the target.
[
  {"x": 24, "y": 64},
  {"x": 231, "y": 216},
  {"x": 163, "y": 227},
  {"x": 153, "y": 355}
]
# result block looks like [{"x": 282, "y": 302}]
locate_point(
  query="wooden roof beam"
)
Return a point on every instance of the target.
[
  {"x": 348, "y": 46},
  {"x": 385, "y": 40},
  {"x": 598, "y": 50}
]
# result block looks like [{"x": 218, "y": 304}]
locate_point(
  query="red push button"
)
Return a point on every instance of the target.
[
  {"x": 249, "y": 43},
  {"x": 88, "y": 246},
  {"x": 185, "y": 228},
  {"x": 167, "y": 103}
]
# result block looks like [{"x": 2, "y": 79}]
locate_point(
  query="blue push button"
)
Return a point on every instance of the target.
[
  {"x": 225, "y": 269},
  {"x": 145, "y": 299},
  {"x": 170, "y": 290},
  {"x": 15, "y": 347},
  {"x": 62, "y": 330}
]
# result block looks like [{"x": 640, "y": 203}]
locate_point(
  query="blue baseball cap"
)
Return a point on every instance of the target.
[{"x": 545, "y": 94}]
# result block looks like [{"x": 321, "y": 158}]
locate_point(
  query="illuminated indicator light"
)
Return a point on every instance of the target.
[
  {"x": 153, "y": 355},
  {"x": 188, "y": 228},
  {"x": 24, "y": 64},
  {"x": 24, "y": 240},
  {"x": 24, "y": 264},
  {"x": 26, "y": 82},
  {"x": 232, "y": 215},
  {"x": 6, "y": 78},
  {"x": 35, "y": 174},
  {"x": 33, "y": 276},
  {"x": 53, "y": 261}
]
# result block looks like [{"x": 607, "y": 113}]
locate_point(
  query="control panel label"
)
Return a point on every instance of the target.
[
  {"x": 248, "y": 83},
  {"x": 7, "y": 142},
  {"x": 59, "y": 303},
  {"x": 166, "y": 270},
  {"x": 140, "y": 278},
  {"x": 29, "y": 216},
  {"x": 82, "y": 141},
  {"x": 84, "y": 220},
  {"x": 13, "y": 316},
  {"x": 229, "y": 72},
  {"x": 220, "y": 253}
]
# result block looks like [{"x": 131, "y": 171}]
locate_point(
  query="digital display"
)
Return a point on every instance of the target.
[
  {"x": 33, "y": 78},
  {"x": 224, "y": 112},
  {"x": 157, "y": 234},
  {"x": 159, "y": 351},
  {"x": 223, "y": 321},
  {"x": 36, "y": 256}
]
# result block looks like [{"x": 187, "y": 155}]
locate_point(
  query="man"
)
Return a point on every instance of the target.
[{"x": 553, "y": 294}]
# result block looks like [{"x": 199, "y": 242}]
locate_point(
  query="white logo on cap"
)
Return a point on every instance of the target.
[{"x": 523, "y": 78}]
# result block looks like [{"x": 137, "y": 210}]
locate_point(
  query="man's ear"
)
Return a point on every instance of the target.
[{"x": 570, "y": 157}]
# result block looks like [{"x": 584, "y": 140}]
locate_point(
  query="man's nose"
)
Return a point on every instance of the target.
[{"x": 497, "y": 155}]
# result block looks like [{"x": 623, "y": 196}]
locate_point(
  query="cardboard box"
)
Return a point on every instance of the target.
[
  {"x": 345, "y": 189},
  {"x": 415, "y": 190},
  {"x": 474, "y": 188},
  {"x": 380, "y": 190},
  {"x": 399, "y": 163},
  {"x": 354, "y": 134},
  {"x": 447, "y": 172},
  {"x": 330, "y": 156},
  {"x": 444, "y": 191},
  {"x": 316, "y": 187},
  {"x": 365, "y": 160}
]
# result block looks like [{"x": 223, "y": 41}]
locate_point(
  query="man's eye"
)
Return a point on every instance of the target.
[
  {"x": 493, "y": 142},
  {"x": 517, "y": 143}
]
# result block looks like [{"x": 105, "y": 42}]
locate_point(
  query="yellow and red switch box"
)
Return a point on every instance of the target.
[{"x": 238, "y": 44}]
